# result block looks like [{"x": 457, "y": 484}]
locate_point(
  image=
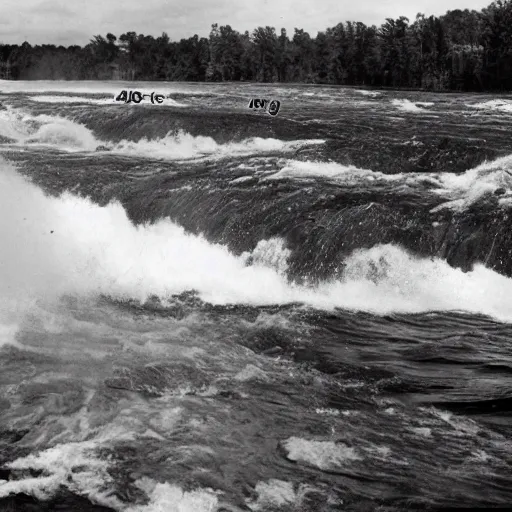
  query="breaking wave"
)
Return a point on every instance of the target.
[
  {"x": 409, "y": 106},
  {"x": 52, "y": 246},
  {"x": 184, "y": 146},
  {"x": 494, "y": 105},
  {"x": 458, "y": 190},
  {"x": 365, "y": 92},
  {"x": 69, "y": 135},
  {"x": 48, "y": 130},
  {"x": 93, "y": 478}
]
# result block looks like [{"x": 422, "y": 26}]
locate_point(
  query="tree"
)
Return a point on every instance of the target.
[
  {"x": 470, "y": 50},
  {"x": 265, "y": 41},
  {"x": 497, "y": 42}
]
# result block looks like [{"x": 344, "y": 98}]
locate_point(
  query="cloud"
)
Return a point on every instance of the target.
[
  {"x": 56, "y": 7},
  {"x": 43, "y": 21}
]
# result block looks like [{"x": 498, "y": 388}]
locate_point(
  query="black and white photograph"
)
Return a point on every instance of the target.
[{"x": 255, "y": 256}]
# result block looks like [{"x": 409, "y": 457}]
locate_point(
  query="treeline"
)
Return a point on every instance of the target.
[{"x": 462, "y": 50}]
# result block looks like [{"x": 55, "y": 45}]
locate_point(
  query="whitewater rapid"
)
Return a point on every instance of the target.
[
  {"x": 458, "y": 191},
  {"x": 69, "y": 245},
  {"x": 65, "y": 134},
  {"x": 356, "y": 390}
]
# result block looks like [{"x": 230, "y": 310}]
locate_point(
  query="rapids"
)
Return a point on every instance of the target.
[{"x": 204, "y": 308}]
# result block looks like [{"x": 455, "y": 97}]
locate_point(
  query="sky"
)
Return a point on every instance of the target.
[{"x": 67, "y": 22}]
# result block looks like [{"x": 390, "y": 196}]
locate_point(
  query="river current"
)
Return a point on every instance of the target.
[{"x": 207, "y": 308}]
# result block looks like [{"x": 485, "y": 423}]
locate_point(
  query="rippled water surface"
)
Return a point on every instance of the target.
[{"x": 206, "y": 308}]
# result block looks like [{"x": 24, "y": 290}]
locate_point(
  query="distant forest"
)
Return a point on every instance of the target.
[{"x": 461, "y": 50}]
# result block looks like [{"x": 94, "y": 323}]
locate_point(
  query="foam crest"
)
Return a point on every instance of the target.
[
  {"x": 270, "y": 253},
  {"x": 72, "y": 465},
  {"x": 332, "y": 170},
  {"x": 62, "y": 245},
  {"x": 408, "y": 106},
  {"x": 7, "y": 332},
  {"x": 466, "y": 188},
  {"x": 171, "y": 498},
  {"x": 64, "y": 134},
  {"x": 365, "y": 92},
  {"x": 70, "y": 245},
  {"x": 13, "y": 124},
  {"x": 184, "y": 146},
  {"x": 69, "y": 135},
  {"x": 273, "y": 493},
  {"x": 412, "y": 284},
  {"x": 47, "y": 130},
  {"x": 49, "y": 98},
  {"x": 325, "y": 455},
  {"x": 497, "y": 105},
  {"x": 459, "y": 190}
]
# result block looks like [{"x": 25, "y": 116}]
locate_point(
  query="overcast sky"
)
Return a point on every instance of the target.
[{"x": 69, "y": 22}]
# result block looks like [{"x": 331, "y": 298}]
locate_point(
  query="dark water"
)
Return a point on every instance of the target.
[{"x": 205, "y": 308}]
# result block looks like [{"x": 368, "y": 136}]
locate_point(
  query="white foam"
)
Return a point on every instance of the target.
[
  {"x": 73, "y": 465},
  {"x": 499, "y": 105},
  {"x": 184, "y": 146},
  {"x": 251, "y": 372},
  {"x": 48, "y": 98},
  {"x": 68, "y": 135},
  {"x": 422, "y": 431},
  {"x": 459, "y": 190},
  {"x": 325, "y": 455},
  {"x": 331, "y": 170},
  {"x": 241, "y": 179},
  {"x": 464, "y": 189},
  {"x": 11, "y": 126},
  {"x": 7, "y": 332},
  {"x": 63, "y": 133},
  {"x": 166, "y": 497},
  {"x": 167, "y": 419},
  {"x": 328, "y": 412},
  {"x": 46, "y": 130},
  {"x": 98, "y": 250},
  {"x": 372, "y": 94},
  {"x": 76, "y": 466},
  {"x": 378, "y": 451},
  {"x": 281, "y": 494},
  {"x": 41, "y": 488},
  {"x": 270, "y": 253},
  {"x": 464, "y": 426},
  {"x": 273, "y": 493},
  {"x": 408, "y": 106},
  {"x": 480, "y": 456}
]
